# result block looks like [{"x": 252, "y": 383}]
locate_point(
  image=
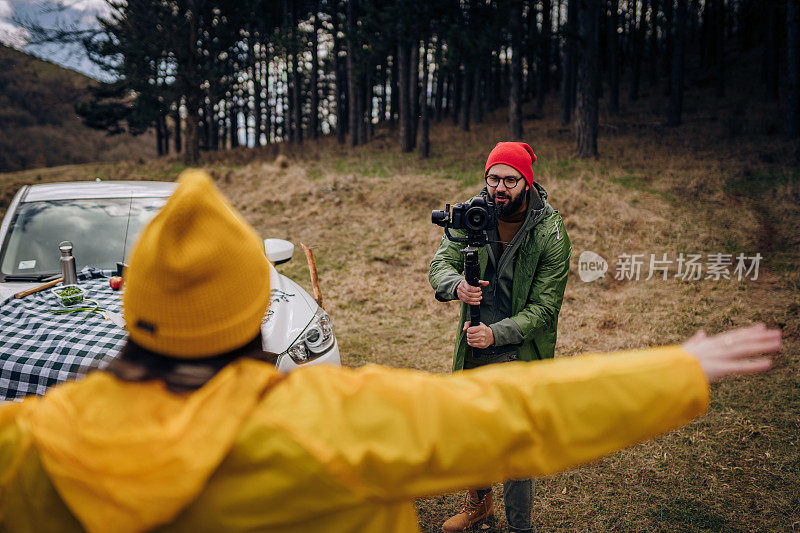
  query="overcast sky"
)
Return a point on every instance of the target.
[{"x": 49, "y": 13}]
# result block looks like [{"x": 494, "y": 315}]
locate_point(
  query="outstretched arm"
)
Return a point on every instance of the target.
[{"x": 390, "y": 433}]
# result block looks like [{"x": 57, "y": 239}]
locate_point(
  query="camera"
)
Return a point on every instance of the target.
[{"x": 474, "y": 216}]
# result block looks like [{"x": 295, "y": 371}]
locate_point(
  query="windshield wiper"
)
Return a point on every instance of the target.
[{"x": 33, "y": 277}]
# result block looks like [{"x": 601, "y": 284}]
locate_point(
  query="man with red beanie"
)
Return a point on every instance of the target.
[{"x": 523, "y": 276}]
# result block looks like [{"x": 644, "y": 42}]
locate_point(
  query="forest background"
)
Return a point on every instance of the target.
[{"x": 662, "y": 127}]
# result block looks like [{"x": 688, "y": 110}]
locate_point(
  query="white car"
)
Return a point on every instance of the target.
[{"x": 103, "y": 218}]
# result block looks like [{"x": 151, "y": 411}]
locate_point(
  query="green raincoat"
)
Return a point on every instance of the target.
[{"x": 540, "y": 270}]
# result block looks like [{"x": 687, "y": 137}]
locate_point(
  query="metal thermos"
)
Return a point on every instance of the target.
[{"x": 68, "y": 270}]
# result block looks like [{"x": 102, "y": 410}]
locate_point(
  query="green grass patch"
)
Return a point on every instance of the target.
[
  {"x": 170, "y": 171},
  {"x": 753, "y": 182},
  {"x": 639, "y": 181}
]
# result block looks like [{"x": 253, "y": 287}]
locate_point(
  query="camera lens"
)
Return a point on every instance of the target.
[
  {"x": 439, "y": 217},
  {"x": 476, "y": 218}
]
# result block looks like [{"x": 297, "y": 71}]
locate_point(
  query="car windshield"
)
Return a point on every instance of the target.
[{"x": 102, "y": 232}]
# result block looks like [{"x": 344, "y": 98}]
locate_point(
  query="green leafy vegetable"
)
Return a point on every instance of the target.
[{"x": 70, "y": 295}]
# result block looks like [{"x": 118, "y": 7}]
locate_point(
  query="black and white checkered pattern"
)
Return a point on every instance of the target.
[{"x": 39, "y": 348}]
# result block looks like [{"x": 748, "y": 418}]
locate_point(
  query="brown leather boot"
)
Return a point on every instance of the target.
[{"x": 474, "y": 511}]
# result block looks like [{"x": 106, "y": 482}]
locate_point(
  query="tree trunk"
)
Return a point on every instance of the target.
[
  {"x": 544, "y": 56},
  {"x": 341, "y": 117},
  {"x": 719, "y": 45},
  {"x": 413, "y": 87},
  {"x": 212, "y": 143},
  {"x": 771, "y": 51},
  {"x": 297, "y": 102},
  {"x": 233, "y": 111},
  {"x": 176, "y": 120},
  {"x": 557, "y": 43},
  {"x": 394, "y": 97},
  {"x": 707, "y": 40},
  {"x": 159, "y": 136},
  {"x": 382, "y": 79},
  {"x": 477, "y": 101},
  {"x": 313, "y": 122},
  {"x": 515, "y": 83},
  {"x": 449, "y": 90},
  {"x": 638, "y": 45},
  {"x": 586, "y": 108},
  {"x": 366, "y": 110},
  {"x": 439, "y": 79},
  {"x": 490, "y": 98},
  {"x": 568, "y": 70},
  {"x": 693, "y": 38},
  {"x": 202, "y": 127},
  {"x": 191, "y": 86},
  {"x": 463, "y": 107},
  {"x": 288, "y": 111},
  {"x": 505, "y": 76},
  {"x": 653, "y": 48},
  {"x": 352, "y": 75},
  {"x": 223, "y": 130},
  {"x": 214, "y": 128},
  {"x": 424, "y": 133},
  {"x": 295, "y": 118},
  {"x": 262, "y": 94},
  {"x": 669, "y": 51},
  {"x": 455, "y": 97},
  {"x": 531, "y": 52},
  {"x": 287, "y": 128},
  {"x": 566, "y": 83},
  {"x": 443, "y": 75},
  {"x": 254, "y": 95},
  {"x": 675, "y": 108},
  {"x": 167, "y": 132},
  {"x": 613, "y": 67},
  {"x": 403, "y": 63},
  {"x": 269, "y": 90},
  {"x": 258, "y": 101},
  {"x": 793, "y": 69}
]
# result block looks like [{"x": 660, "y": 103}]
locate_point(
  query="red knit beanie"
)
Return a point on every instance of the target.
[{"x": 517, "y": 155}]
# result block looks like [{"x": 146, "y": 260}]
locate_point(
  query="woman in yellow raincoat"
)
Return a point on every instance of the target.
[{"x": 192, "y": 429}]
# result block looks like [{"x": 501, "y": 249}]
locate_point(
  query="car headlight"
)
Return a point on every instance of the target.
[{"x": 315, "y": 340}]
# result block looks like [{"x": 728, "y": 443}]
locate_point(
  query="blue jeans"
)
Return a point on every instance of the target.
[
  {"x": 518, "y": 498},
  {"x": 517, "y": 494}
]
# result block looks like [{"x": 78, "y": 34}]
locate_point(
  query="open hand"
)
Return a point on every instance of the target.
[
  {"x": 480, "y": 336},
  {"x": 468, "y": 294},
  {"x": 734, "y": 352}
]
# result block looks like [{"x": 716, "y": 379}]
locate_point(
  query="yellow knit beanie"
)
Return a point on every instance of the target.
[{"x": 197, "y": 284}]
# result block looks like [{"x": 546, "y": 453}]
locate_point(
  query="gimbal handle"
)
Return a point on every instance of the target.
[{"x": 472, "y": 273}]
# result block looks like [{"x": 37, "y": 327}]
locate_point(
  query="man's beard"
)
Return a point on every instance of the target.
[{"x": 504, "y": 211}]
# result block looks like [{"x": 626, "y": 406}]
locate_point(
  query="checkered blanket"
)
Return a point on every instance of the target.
[{"x": 39, "y": 348}]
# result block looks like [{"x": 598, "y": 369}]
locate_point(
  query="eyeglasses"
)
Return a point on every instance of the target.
[{"x": 509, "y": 181}]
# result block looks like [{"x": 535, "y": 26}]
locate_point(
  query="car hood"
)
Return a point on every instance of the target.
[
  {"x": 8, "y": 290},
  {"x": 290, "y": 310}
]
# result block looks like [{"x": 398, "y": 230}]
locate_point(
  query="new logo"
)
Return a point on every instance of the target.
[{"x": 591, "y": 266}]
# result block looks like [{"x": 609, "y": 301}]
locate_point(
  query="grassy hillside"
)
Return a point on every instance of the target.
[
  {"x": 722, "y": 183},
  {"x": 38, "y": 121}
]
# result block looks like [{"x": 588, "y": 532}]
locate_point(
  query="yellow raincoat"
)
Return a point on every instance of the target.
[{"x": 324, "y": 449}]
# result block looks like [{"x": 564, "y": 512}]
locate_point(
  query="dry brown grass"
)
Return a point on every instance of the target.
[
  {"x": 695, "y": 189},
  {"x": 366, "y": 212}
]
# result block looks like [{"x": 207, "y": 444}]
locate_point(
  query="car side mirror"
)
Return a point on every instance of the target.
[{"x": 278, "y": 250}]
